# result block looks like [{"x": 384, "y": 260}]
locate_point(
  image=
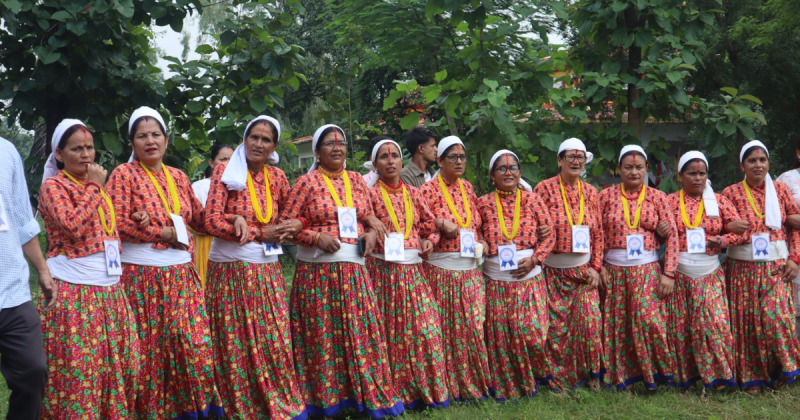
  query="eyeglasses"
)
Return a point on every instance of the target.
[
  {"x": 575, "y": 158},
  {"x": 330, "y": 144},
  {"x": 456, "y": 158},
  {"x": 514, "y": 169}
]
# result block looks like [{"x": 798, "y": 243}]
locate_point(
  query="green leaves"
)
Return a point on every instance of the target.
[
  {"x": 258, "y": 104},
  {"x": 409, "y": 121}
]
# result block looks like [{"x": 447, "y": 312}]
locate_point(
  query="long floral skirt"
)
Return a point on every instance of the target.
[
  {"x": 461, "y": 300},
  {"x": 762, "y": 322},
  {"x": 248, "y": 313},
  {"x": 177, "y": 375},
  {"x": 699, "y": 332},
  {"x": 202, "y": 246},
  {"x": 92, "y": 354},
  {"x": 636, "y": 347},
  {"x": 574, "y": 340},
  {"x": 413, "y": 333},
  {"x": 516, "y": 334},
  {"x": 339, "y": 352}
]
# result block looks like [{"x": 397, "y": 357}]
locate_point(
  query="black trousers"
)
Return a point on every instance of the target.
[{"x": 22, "y": 361}]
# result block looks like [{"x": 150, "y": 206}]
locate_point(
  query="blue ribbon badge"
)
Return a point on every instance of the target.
[
  {"x": 113, "y": 256},
  {"x": 348, "y": 222},
  {"x": 394, "y": 245},
  {"x": 269, "y": 247},
  {"x": 695, "y": 240},
  {"x": 469, "y": 243},
  {"x": 581, "y": 240},
  {"x": 507, "y": 258},
  {"x": 762, "y": 246},
  {"x": 635, "y": 245}
]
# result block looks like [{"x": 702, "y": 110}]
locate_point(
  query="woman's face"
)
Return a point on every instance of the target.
[
  {"x": 506, "y": 172},
  {"x": 332, "y": 151},
  {"x": 694, "y": 177},
  {"x": 260, "y": 142},
  {"x": 223, "y": 156},
  {"x": 453, "y": 162},
  {"x": 756, "y": 165},
  {"x": 633, "y": 171},
  {"x": 78, "y": 152},
  {"x": 572, "y": 163},
  {"x": 388, "y": 161},
  {"x": 149, "y": 142}
]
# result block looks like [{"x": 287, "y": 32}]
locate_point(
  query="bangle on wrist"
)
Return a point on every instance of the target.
[
  {"x": 795, "y": 258},
  {"x": 672, "y": 276}
]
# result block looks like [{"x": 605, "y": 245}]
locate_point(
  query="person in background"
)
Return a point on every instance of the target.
[
  {"x": 371, "y": 178},
  {"x": 792, "y": 180},
  {"x": 421, "y": 143},
  {"x": 220, "y": 153},
  {"x": 22, "y": 358}
]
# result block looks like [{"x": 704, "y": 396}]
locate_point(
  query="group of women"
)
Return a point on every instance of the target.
[{"x": 402, "y": 297}]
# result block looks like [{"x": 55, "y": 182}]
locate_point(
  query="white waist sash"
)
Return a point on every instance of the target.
[
  {"x": 567, "y": 260},
  {"x": 145, "y": 254},
  {"x": 89, "y": 270},
  {"x": 452, "y": 261},
  {"x": 346, "y": 253},
  {"x": 223, "y": 251},
  {"x": 411, "y": 257},
  {"x": 777, "y": 251},
  {"x": 697, "y": 265},
  {"x": 491, "y": 267},
  {"x": 619, "y": 257}
]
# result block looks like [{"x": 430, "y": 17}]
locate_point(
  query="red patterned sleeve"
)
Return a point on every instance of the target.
[
  {"x": 728, "y": 213},
  {"x": 293, "y": 207},
  {"x": 542, "y": 216},
  {"x": 281, "y": 193},
  {"x": 596, "y": 230},
  {"x": 73, "y": 219},
  {"x": 427, "y": 227},
  {"x": 217, "y": 222},
  {"x": 790, "y": 208},
  {"x": 120, "y": 189},
  {"x": 476, "y": 214},
  {"x": 360, "y": 189},
  {"x": 673, "y": 246},
  {"x": 197, "y": 221}
]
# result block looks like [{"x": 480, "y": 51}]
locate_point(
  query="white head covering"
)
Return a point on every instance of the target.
[
  {"x": 772, "y": 207},
  {"x": 235, "y": 175},
  {"x": 144, "y": 111},
  {"x": 51, "y": 167},
  {"x": 709, "y": 199},
  {"x": 575, "y": 144},
  {"x": 524, "y": 184},
  {"x": 630, "y": 148},
  {"x": 445, "y": 144},
  {"x": 371, "y": 166},
  {"x": 317, "y": 135}
]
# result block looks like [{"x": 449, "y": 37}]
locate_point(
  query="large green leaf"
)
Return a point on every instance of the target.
[{"x": 409, "y": 121}]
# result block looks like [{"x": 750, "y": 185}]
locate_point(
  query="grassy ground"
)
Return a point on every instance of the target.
[{"x": 664, "y": 404}]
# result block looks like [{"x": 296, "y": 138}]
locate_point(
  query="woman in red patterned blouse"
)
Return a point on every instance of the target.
[
  {"x": 574, "y": 340},
  {"x": 245, "y": 291},
  {"x": 92, "y": 325},
  {"x": 697, "y": 320},
  {"x": 411, "y": 325},
  {"x": 759, "y": 274},
  {"x": 159, "y": 277},
  {"x": 516, "y": 294},
  {"x": 339, "y": 351},
  {"x": 636, "y": 219},
  {"x": 452, "y": 272}
]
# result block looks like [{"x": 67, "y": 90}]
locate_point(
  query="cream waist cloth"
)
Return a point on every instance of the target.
[
  {"x": 411, "y": 256},
  {"x": 619, "y": 257},
  {"x": 89, "y": 270},
  {"x": 145, "y": 254},
  {"x": 491, "y": 267},
  {"x": 567, "y": 260},
  {"x": 697, "y": 265},
  {"x": 346, "y": 253},
  {"x": 452, "y": 261},
  {"x": 777, "y": 251},
  {"x": 223, "y": 251}
]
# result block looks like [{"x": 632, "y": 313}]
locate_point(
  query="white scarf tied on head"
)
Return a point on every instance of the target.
[
  {"x": 524, "y": 184},
  {"x": 445, "y": 144},
  {"x": 772, "y": 206},
  {"x": 631, "y": 148},
  {"x": 144, "y": 111},
  {"x": 317, "y": 135},
  {"x": 371, "y": 165},
  {"x": 709, "y": 199},
  {"x": 575, "y": 144},
  {"x": 51, "y": 167},
  {"x": 235, "y": 175}
]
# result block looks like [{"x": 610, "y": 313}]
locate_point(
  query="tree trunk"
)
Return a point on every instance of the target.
[
  {"x": 56, "y": 109},
  {"x": 632, "y": 22}
]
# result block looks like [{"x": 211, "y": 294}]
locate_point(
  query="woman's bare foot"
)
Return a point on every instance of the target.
[
  {"x": 719, "y": 387},
  {"x": 594, "y": 384},
  {"x": 779, "y": 384},
  {"x": 753, "y": 390}
]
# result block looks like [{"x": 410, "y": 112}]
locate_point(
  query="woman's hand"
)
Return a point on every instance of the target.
[
  {"x": 485, "y": 247},
  {"x": 603, "y": 278},
  {"x": 665, "y": 286},
  {"x": 376, "y": 225},
  {"x": 141, "y": 218},
  {"x": 288, "y": 229},
  {"x": 793, "y": 220},
  {"x": 714, "y": 242},
  {"x": 663, "y": 229},
  {"x": 543, "y": 232},
  {"x": 270, "y": 235},
  {"x": 738, "y": 227},
  {"x": 427, "y": 249},
  {"x": 525, "y": 266},
  {"x": 328, "y": 243},
  {"x": 594, "y": 278},
  {"x": 241, "y": 230},
  {"x": 370, "y": 238},
  {"x": 448, "y": 228},
  {"x": 96, "y": 174},
  {"x": 790, "y": 271},
  {"x": 168, "y": 234}
]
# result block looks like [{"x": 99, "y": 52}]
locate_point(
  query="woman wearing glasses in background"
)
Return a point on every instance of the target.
[{"x": 452, "y": 271}]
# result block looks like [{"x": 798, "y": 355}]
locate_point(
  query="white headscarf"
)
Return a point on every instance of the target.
[
  {"x": 709, "y": 199},
  {"x": 631, "y": 148},
  {"x": 371, "y": 166},
  {"x": 772, "y": 207},
  {"x": 235, "y": 175},
  {"x": 317, "y": 135},
  {"x": 524, "y": 184},
  {"x": 51, "y": 167},
  {"x": 575, "y": 144},
  {"x": 144, "y": 111},
  {"x": 445, "y": 144}
]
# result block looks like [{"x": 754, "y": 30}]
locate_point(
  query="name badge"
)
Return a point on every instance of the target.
[
  {"x": 348, "y": 225},
  {"x": 508, "y": 257},
  {"x": 180, "y": 229},
  {"x": 272, "y": 249},
  {"x": 634, "y": 247},
  {"x": 113, "y": 265},
  {"x": 394, "y": 247},
  {"x": 696, "y": 241},
  {"x": 761, "y": 246},
  {"x": 467, "y": 243},
  {"x": 581, "y": 241},
  {"x": 3, "y": 216}
]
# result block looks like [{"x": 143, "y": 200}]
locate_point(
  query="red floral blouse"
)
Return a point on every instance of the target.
[
  {"x": 713, "y": 225},
  {"x": 433, "y": 193},
  {"x": 550, "y": 192},
  {"x": 71, "y": 218},
  {"x": 423, "y": 217},
  {"x": 533, "y": 214}
]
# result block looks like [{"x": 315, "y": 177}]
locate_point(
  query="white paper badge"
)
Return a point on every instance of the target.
[
  {"x": 394, "y": 248},
  {"x": 508, "y": 257},
  {"x": 180, "y": 229},
  {"x": 634, "y": 247},
  {"x": 581, "y": 241},
  {"x": 761, "y": 247},
  {"x": 272, "y": 248},
  {"x": 467, "y": 243},
  {"x": 4, "y": 222},
  {"x": 696, "y": 241},
  {"x": 113, "y": 263},
  {"x": 348, "y": 223}
]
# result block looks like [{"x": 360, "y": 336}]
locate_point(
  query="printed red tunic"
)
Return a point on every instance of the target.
[
  {"x": 433, "y": 193},
  {"x": 423, "y": 226},
  {"x": 533, "y": 214},
  {"x": 713, "y": 225}
]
